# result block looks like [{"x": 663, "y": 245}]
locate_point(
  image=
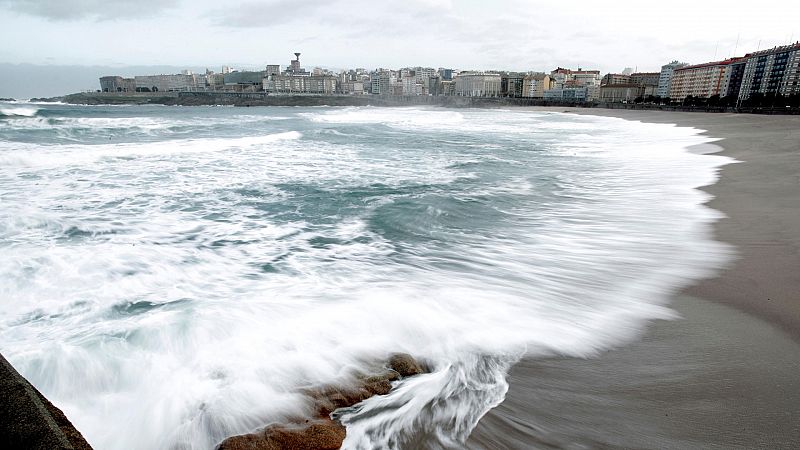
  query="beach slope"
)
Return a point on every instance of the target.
[{"x": 725, "y": 374}]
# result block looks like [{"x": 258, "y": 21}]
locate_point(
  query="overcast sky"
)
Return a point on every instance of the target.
[{"x": 465, "y": 34}]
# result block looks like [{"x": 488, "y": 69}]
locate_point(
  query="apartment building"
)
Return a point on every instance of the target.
[
  {"x": 665, "y": 77},
  {"x": 300, "y": 84},
  {"x": 477, "y": 84},
  {"x": 646, "y": 79},
  {"x": 615, "y": 78},
  {"x": 621, "y": 93},
  {"x": 566, "y": 79},
  {"x": 511, "y": 84},
  {"x": 570, "y": 93},
  {"x": 535, "y": 85},
  {"x": 776, "y": 70},
  {"x": 702, "y": 80}
]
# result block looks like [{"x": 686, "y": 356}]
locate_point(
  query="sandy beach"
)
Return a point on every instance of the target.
[{"x": 724, "y": 375}]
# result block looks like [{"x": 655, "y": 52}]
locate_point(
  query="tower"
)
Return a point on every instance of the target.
[{"x": 295, "y": 64}]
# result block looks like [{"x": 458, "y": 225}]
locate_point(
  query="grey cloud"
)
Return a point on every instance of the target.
[
  {"x": 67, "y": 10},
  {"x": 345, "y": 15},
  {"x": 270, "y": 13}
]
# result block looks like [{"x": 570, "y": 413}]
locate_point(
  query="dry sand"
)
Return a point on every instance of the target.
[{"x": 726, "y": 375}]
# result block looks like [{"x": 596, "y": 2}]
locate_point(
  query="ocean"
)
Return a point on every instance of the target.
[{"x": 171, "y": 276}]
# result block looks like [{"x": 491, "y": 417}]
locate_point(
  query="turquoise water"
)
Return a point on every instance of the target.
[{"x": 172, "y": 276}]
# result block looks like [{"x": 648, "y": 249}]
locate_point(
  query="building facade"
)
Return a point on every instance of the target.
[
  {"x": 382, "y": 82},
  {"x": 569, "y": 81},
  {"x": 243, "y": 78},
  {"x": 351, "y": 87},
  {"x": 448, "y": 87},
  {"x": 621, "y": 93},
  {"x": 117, "y": 84},
  {"x": 568, "y": 94},
  {"x": 665, "y": 77},
  {"x": 477, "y": 84},
  {"x": 615, "y": 78},
  {"x": 169, "y": 83},
  {"x": 273, "y": 69},
  {"x": 300, "y": 84},
  {"x": 701, "y": 80},
  {"x": 412, "y": 87},
  {"x": 646, "y": 79},
  {"x": 733, "y": 78},
  {"x": 535, "y": 85},
  {"x": 776, "y": 71},
  {"x": 446, "y": 74},
  {"x": 511, "y": 84}
]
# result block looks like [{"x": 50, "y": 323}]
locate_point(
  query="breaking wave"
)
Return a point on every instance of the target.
[{"x": 170, "y": 290}]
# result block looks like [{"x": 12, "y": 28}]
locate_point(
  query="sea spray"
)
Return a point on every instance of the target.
[{"x": 172, "y": 287}]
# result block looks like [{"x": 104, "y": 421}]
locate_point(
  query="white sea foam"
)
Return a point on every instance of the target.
[
  {"x": 169, "y": 294},
  {"x": 19, "y": 111},
  {"x": 31, "y": 155}
]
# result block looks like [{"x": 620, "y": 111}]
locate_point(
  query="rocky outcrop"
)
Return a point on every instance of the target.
[
  {"x": 405, "y": 365},
  {"x": 29, "y": 421},
  {"x": 323, "y": 434},
  {"x": 320, "y": 431}
]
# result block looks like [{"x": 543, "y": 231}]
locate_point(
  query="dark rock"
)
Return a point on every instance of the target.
[
  {"x": 405, "y": 365},
  {"x": 324, "y": 434},
  {"x": 47, "y": 99},
  {"x": 29, "y": 421},
  {"x": 320, "y": 432}
]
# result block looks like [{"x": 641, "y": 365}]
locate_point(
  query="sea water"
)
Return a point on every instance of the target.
[{"x": 171, "y": 276}]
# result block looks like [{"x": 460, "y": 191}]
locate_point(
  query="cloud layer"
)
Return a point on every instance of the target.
[
  {"x": 464, "y": 34},
  {"x": 67, "y": 10}
]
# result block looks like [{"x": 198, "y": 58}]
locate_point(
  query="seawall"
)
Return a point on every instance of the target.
[
  {"x": 262, "y": 99},
  {"x": 29, "y": 421}
]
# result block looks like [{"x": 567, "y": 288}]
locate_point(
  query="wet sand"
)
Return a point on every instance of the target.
[{"x": 727, "y": 374}]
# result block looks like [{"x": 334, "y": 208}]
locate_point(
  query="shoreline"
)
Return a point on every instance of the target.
[
  {"x": 724, "y": 374},
  {"x": 733, "y": 355},
  {"x": 758, "y": 196}
]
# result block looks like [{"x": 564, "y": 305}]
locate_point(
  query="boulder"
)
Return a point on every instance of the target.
[
  {"x": 323, "y": 434},
  {"x": 405, "y": 365}
]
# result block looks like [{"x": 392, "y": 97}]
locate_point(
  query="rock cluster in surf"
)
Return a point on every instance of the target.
[{"x": 321, "y": 431}]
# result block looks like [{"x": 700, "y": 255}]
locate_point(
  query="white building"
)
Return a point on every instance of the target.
[
  {"x": 382, "y": 82},
  {"x": 351, "y": 87},
  {"x": 300, "y": 84},
  {"x": 412, "y": 87},
  {"x": 567, "y": 80},
  {"x": 665, "y": 78},
  {"x": 477, "y": 84},
  {"x": 702, "y": 80}
]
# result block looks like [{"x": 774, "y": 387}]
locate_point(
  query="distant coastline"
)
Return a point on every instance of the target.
[{"x": 263, "y": 99}]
